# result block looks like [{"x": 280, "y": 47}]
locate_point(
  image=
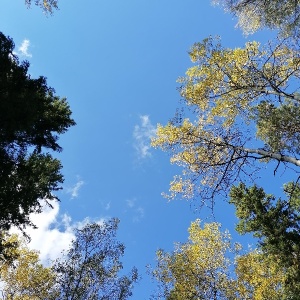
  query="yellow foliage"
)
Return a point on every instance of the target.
[
  {"x": 27, "y": 278},
  {"x": 258, "y": 277},
  {"x": 225, "y": 87},
  {"x": 199, "y": 268},
  {"x": 208, "y": 267}
]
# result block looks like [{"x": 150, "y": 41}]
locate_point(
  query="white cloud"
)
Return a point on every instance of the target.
[
  {"x": 74, "y": 190},
  {"x": 55, "y": 232},
  {"x": 53, "y": 235},
  {"x": 142, "y": 135},
  {"x": 23, "y": 49}
]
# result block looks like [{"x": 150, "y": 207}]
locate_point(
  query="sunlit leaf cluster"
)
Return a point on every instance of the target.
[
  {"x": 211, "y": 266},
  {"x": 245, "y": 103}
]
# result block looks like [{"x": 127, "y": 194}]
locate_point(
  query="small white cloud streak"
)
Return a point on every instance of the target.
[
  {"x": 138, "y": 212},
  {"x": 23, "y": 49},
  {"x": 74, "y": 191},
  {"x": 130, "y": 202},
  {"x": 107, "y": 206},
  {"x": 142, "y": 135}
]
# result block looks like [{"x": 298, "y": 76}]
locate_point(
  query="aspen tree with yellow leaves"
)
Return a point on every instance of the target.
[
  {"x": 209, "y": 267},
  {"x": 258, "y": 277},
  {"x": 246, "y": 113},
  {"x": 26, "y": 278},
  {"x": 242, "y": 112}
]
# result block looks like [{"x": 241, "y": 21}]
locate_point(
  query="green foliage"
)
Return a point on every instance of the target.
[
  {"x": 90, "y": 268},
  {"x": 31, "y": 119},
  {"x": 276, "y": 222}
]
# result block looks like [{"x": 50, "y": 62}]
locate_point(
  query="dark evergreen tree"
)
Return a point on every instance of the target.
[
  {"x": 276, "y": 223},
  {"x": 31, "y": 119}
]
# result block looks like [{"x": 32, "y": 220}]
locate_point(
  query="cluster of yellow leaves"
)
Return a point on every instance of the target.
[
  {"x": 225, "y": 83},
  {"x": 217, "y": 83},
  {"x": 192, "y": 148},
  {"x": 27, "y": 278},
  {"x": 258, "y": 277},
  {"x": 200, "y": 269},
  {"x": 225, "y": 86},
  {"x": 196, "y": 270}
]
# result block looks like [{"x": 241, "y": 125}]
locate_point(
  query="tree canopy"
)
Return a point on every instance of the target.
[
  {"x": 46, "y": 5},
  {"x": 242, "y": 112},
  {"x": 276, "y": 223},
  {"x": 256, "y": 14},
  {"x": 31, "y": 119},
  {"x": 26, "y": 278},
  {"x": 90, "y": 268},
  {"x": 209, "y": 266},
  {"x": 245, "y": 105}
]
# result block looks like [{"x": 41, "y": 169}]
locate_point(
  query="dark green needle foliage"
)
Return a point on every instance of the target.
[
  {"x": 276, "y": 223},
  {"x": 31, "y": 119}
]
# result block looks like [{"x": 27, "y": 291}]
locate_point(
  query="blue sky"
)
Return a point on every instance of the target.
[{"x": 117, "y": 63}]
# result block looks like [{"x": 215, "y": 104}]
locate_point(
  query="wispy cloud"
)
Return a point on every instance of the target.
[
  {"x": 24, "y": 49},
  {"x": 139, "y": 214},
  {"x": 142, "y": 135},
  {"x": 107, "y": 206},
  {"x": 74, "y": 190},
  {"x": 137, "y": 211},
  {"x": 130, "y": 203}
]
